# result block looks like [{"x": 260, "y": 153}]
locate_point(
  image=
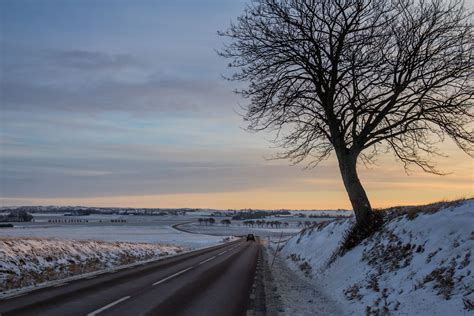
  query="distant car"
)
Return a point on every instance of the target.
[{"x": 250, "y": 237}]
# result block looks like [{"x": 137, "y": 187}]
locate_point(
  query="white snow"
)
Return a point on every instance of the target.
[
  {"x": 419, "y": 266},
  {"x": 290, "y": 293},
  {"x": 29, "y": 261},
  {"x": 130, "y": 232}
]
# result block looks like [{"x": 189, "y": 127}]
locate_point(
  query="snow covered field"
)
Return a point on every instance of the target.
[
  {"x": 416, "y": 265},
  {"x": 55, "y": 246},
  {"x": 39, "y": 251},
  {"x": 30, "y": 261},
  {"x": 141, "y": 229},
  {"x": 148, "y": 229}
]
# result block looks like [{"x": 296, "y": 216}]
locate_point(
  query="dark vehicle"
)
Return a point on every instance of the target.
[{"x": 250, "y": 237}]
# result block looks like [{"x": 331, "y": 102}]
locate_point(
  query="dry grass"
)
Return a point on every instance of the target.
[
  {"x": 29, "y": 261},
  {"x": 353, "y": 237},
  {"x": 413, "y": 211}
]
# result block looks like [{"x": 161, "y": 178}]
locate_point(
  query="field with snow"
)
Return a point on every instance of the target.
[
  {"x": 138, "y": 229},
  {"x": 238, "y": 228},
  {"x": 420, "y": 263},
  {"x": 149, "y": 229},
  {"x": 31, "y": 261},
  {"x": 55, "y": 246}
]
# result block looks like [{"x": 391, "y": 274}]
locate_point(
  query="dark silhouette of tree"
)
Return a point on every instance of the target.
[
  {"x": 356, "y": 78},
  {"x": 211, "y": 220},
  {"x": 226, "y": 222},
  {"x": 24, "y": 216}
]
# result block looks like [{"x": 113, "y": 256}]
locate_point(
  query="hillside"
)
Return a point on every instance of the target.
[{"x": 420, "y": 263}]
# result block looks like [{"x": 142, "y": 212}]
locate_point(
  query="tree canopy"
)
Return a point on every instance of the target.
[{"x": 355, "y": 78}]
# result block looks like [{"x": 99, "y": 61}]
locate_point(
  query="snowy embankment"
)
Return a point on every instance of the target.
[
  {"x": 418, "y": 264},
  {"x": 30, "y": 261}
]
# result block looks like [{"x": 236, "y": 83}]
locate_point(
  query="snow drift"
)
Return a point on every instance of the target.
[{"x": 419, "y": 263}]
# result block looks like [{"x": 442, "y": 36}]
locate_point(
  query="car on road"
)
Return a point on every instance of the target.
[{"x": 250, "y": 237}]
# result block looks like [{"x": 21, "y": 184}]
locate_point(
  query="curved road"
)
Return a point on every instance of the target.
[{"x": 213, "y": 281}]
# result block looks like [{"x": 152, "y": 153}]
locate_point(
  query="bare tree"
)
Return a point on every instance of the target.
[
  {"x": 226, "y": 222},
  {"x": 356, "y": 77}
]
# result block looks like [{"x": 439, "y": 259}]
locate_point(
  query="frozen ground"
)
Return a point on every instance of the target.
[
  {"x": 148, "y": 229},
  {"x": 290, "y": 293},
  {"x": 30, "y": 261},
  {"x": 141, "y": 229},
  {"x": 416, "y": 265}
]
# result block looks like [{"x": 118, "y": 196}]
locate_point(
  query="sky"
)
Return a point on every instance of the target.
[{"x": 122, "y": 103}]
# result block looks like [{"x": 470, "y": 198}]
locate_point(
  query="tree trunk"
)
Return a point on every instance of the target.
[{"x": 355, "y": 190}]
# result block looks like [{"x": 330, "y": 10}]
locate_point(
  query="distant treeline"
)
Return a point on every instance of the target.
[
  {"x": 16, "y": 216},
  {"x": 248, "y": 223},
  {"x": 259, "y": 214},
  {"x": 327, "y": 216},
  {"x": 83, "y": 211},
  {"x": 263, "y": 223},
  {"x": 80, "y": 220},
  {"x": 245, "y": 215}
]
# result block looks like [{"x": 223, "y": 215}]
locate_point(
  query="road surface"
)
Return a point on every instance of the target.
[{"x": 214, "y": 281}]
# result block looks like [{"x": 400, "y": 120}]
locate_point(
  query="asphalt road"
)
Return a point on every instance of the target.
[{"x": 215, "y": 281}]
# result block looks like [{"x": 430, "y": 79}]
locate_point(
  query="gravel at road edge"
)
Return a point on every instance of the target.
[{"x": 289, "y": 293}]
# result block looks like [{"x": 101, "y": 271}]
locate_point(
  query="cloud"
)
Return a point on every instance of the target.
[
  {"x": 93, "y": 81},
  {"x": 81, "y": 177},
  {"x": 159, "y": 95},
  {"x": 94, "y": 60}
]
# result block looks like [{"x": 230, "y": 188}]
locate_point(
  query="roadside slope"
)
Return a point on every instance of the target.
[
  {"x": 29, "y": 261},
  {"x": 419, "y": 263}
]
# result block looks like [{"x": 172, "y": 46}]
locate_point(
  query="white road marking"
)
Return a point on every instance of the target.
[
  {"x": 108, "y": 306},
  {"x": 172, "y": 276},
  {"x": 207, "y": 260},
  {"x": 221, "y": 253}
]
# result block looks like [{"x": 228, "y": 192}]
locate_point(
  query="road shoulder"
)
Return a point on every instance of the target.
[{"x": 289, "y": 293}]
